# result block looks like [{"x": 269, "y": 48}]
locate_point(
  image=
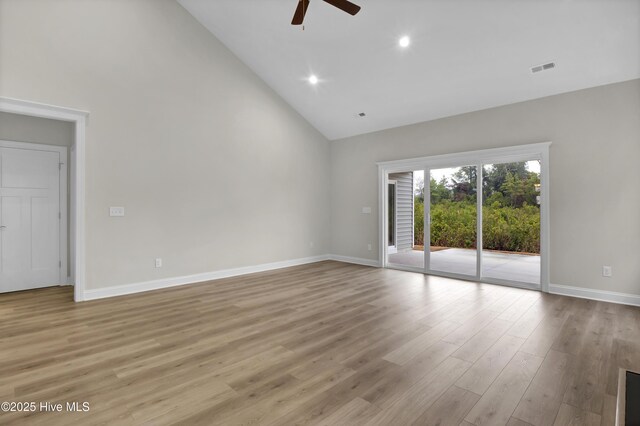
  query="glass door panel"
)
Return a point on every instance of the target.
[
  {"x": 405, "y": 219},
  {"x": 511, "y": 221},
  {"x": 453, "y": 220}
]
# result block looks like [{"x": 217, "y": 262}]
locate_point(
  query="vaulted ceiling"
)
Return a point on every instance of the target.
[{"x": 465, "y": 55}]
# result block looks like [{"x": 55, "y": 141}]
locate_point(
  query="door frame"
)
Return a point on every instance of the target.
[
  {"x": 537, "y": 151},
  {"x": 63, "y": 271},
  {"x": 77, "y": 190},
  {"x": 395, "y": 219}
]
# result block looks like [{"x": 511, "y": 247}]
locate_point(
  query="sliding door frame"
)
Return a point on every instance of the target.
[{"x": 538, "y": 151}]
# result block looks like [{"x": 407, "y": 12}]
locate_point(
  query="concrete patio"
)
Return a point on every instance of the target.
[{"x": 505, "y": 266}]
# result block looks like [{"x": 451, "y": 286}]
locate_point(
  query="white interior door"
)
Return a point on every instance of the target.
[{"x": 29, "y": 219}]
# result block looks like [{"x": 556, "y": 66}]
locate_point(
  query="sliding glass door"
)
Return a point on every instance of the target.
[
  {"x": 511, "y": 221},
  {"x": 405, "y": 220},
  {"x": 480, "y": 220},
  {"x": 453, "y": 220}
]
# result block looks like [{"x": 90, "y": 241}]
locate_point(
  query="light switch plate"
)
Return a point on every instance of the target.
[
  {"x": 366, "y": 210},
  {"x": 116, "y": 211}
]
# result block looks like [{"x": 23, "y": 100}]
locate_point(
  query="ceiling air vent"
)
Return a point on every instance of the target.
[{"x": 543, "y": 67}]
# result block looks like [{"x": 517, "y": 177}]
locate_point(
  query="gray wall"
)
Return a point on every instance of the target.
[
  {"x": 214, "y": 170},
  {"x": 22, "y": 128},
  {"x": 404, "y": 210},
  {"x": 595, "y": 184},
  {"x": 174, "y": 115}
]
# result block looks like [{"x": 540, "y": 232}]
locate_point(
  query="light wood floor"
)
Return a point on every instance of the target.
[{"x": 327, "y": 343}]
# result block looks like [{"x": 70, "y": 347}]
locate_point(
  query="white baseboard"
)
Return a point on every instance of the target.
[
  {"x": 356, "y": 260},
  {"x": 122, "y": 290},
  {"x": 601, "y": 295}
]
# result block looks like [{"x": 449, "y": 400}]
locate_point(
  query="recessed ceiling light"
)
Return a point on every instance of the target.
[
  {"x": 313, "y": 79},
  {"x": 404, "y": 41}
]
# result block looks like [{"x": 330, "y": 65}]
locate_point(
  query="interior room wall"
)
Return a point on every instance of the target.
[
  {"x": 23, "y": 128},
  {"x": 214, "y": 170},
  {"x": 595, "y": 200}
]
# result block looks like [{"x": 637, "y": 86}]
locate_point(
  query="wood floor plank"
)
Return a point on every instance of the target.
[
  {"x": 572, "y": 416},
  {"x": 540, "y": 341},
  {"x": 517, "y": 422},
  {"x": 356, "y": 412},
  {"x": 450, "y": 409},
  {"x": 484, "y": 371},
  {"x": 475, "y": 347},
  {"x": 587, "y": 389},
  {"x": 325, "y": 343},
  {"x": 498, "y": 403},
  {"x": 609, "y": 409},
  {"x": 542, "y": 400},
  {"x": 414, "y": 347},
  {"x": 387, "y": 388},
  {"x": 413, "y": 402}
]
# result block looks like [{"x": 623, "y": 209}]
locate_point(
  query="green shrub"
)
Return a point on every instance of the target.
[
  {"x": 453, "y": 224},
  {"x": 511, "y": 228},
  {"x": 418, "y": 223},
  {"x": 506, "y": 228}
]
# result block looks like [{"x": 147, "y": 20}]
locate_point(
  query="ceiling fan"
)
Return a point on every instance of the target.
[{"x": 303, "y": 5}]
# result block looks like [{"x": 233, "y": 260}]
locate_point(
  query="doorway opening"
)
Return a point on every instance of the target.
[
  {"x": 76, "y": 192},
  {"x": 404, "y": 221}
]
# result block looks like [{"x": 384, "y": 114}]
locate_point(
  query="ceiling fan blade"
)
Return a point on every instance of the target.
[
  {"x": 345, "y": 5},
  {"x": 298, "y": 16}
]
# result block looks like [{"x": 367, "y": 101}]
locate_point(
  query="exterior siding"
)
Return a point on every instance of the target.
[{"x": 404, "y": 210}]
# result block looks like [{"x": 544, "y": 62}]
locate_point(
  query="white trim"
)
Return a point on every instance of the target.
[
  {"x": 140, "y": 287},
  {"x": 62, "y": 194},
  {"x": 605, "y": 296},
  {"x": 382, "y": 214},
  {"x": 354, "y": 260},
  {"x": 485, "y": 156},
  {"x": 592, "y": 294},
  {"x": 79, "y": 117},
  {"x": 479, "y": 223},
  {"x": 545, "y": 221},
  {"x": 426, "y": 234},
  {"x": 33, "y": 146},
  {"x": 78, "y": 191},
  {"x": 72, "y": 212}
]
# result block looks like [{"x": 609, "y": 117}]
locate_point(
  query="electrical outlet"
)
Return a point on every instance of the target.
[
  {"x": 369, "y": 247},
  {"x": 311, "y": 244},
  {"x": 116, "y": 211},
  {"x": 607, "y": 271},
  {"x": 366, "y": 210},
  {"x": 158, "y": 262}
]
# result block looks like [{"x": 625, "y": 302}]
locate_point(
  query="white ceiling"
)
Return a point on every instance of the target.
[{"x": 465, "y": 55}]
